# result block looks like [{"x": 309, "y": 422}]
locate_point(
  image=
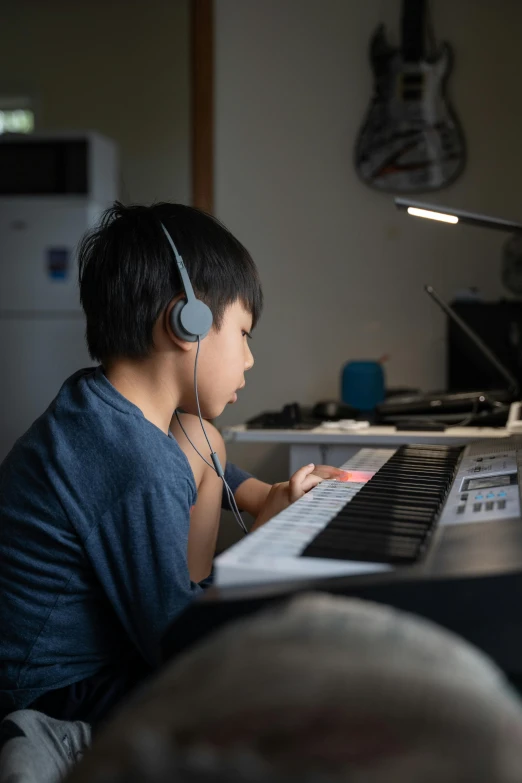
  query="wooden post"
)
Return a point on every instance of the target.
[{"x": 202, "y": 103}]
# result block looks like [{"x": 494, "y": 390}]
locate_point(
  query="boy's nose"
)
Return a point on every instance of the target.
[{"x": 249, "y": 359}]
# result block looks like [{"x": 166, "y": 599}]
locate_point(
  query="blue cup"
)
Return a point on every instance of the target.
[{"x": 362, "y": 384}]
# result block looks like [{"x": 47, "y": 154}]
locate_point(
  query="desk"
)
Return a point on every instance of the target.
[{"x": 333, "y": 447}]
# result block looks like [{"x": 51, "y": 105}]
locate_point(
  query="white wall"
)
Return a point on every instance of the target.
[
  {"x": 342, "y": 270},
  {"x": 121, "y": 68}
]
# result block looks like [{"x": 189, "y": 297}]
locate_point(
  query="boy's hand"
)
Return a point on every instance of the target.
[
  {"x": 328, "y": 472},
  {"x": 287, "y": 492}
]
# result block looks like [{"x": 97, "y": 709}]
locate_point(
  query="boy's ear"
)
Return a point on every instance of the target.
[{"x": 183, "y": 344}]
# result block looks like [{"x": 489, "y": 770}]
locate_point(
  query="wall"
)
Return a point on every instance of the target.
[
  {"x": 342, "y": 269},
  {"x": 121, "y": 68}
]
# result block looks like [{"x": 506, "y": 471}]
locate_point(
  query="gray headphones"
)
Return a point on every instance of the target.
[{"x": 190, "y": 318}]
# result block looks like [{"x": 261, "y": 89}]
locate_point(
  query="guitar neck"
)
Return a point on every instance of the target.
[{"x": 413, "y": 30}]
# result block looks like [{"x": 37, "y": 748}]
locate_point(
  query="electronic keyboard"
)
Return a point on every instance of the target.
[
  {"x": 434, "y": 530},
  {"x": 384, "y": 516}
]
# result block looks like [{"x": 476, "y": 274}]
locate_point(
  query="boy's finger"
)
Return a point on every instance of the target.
[
  {"x": 301, "y": 474},
  {"x": 329, "y": 472},
  {"x": 295, "y": 485},
  {"x": 310, "y": 482},
  {"x": 297, "y": 491}
]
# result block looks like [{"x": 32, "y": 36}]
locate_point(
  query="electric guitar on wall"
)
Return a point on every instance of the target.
[{"x": 411, "y": 140}]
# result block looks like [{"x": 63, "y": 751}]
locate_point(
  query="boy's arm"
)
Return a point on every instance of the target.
[
  {"x": 251, "y": 495},
  {"x": 205, "y": 515}
]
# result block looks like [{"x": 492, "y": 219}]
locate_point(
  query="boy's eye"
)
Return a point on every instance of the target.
[{"x": 246, "y": 334}]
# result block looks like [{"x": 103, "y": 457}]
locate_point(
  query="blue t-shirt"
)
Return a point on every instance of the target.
[{"x": 95, "y": 505}]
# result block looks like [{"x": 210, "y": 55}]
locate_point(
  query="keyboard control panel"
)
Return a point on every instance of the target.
[{"x": 485, "y": 488}]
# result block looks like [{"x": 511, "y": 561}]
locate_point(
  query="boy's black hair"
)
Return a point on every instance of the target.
[{"x": 128, "y": 274}]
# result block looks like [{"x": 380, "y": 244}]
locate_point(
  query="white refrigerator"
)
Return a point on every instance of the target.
[{"x": 42, "y": 328}]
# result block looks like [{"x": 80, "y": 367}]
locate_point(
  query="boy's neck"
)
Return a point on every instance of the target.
[{"x": 148, "y": 385}]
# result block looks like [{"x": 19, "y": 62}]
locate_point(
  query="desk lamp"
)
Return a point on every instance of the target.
[
  {"x": 450, "y": 215},
  {"x": 512, "y": 253}
]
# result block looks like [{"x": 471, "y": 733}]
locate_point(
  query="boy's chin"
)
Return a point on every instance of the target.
[{"x": 207, "y": 411}]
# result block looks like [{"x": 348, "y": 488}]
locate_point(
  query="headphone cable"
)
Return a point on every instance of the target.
[{"x": 216, "y": 466}]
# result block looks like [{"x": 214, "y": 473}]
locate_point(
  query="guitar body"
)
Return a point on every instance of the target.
[{"x": 411, "y": 140}]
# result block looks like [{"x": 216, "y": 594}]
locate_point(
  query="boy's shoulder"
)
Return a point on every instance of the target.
[
  {"x": 90, "y": 429},
  {"x": 89, "y": 406},
  {"x": 90, "y": 457}
]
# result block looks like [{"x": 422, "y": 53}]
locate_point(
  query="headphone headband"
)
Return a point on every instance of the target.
[{"x": 185, "y": 280}]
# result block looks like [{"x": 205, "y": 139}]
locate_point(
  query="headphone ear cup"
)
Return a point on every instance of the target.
[
  {"x": 190, "y": 320},
  {"x": 177, "y": 326}
]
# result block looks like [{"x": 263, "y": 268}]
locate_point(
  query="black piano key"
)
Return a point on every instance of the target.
[
  {"x": 371, "y": 520},
  {"x": 378, "y": 521},
  {"x": 379, "y": 526},
  {"x": 391, "y": 503},
  {"x": 346, "y": 539},
  {"x": 436, "y": 479},
  {"x": 378, "y": 550},
  {"x": 415, "y": 464},
  {"x": 377, "y": 544},
  {"x": 379, "y": 529},
  {"x": 380, "y": 512},
  {"x": 371, "y": 555},
  {"x": 407, "y": 487},
  {"x": 426, "y": 500},
  {"x": 411, "y": 479},
  {"x": 386, "y": 500}
]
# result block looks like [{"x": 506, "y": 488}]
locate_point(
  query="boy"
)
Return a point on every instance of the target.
[{"x": 108, "y": 521}]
